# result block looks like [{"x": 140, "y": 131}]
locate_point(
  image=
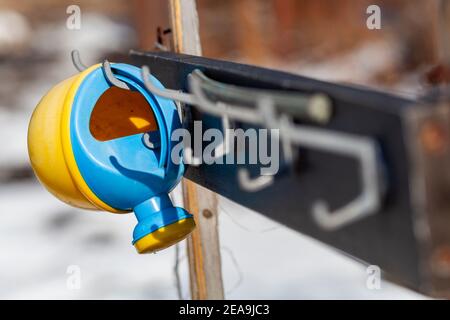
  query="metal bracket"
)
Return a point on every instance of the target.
[{"x": 364, "y": 149}]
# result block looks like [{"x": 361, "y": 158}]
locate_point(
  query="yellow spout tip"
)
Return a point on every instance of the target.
[{"x": 165, "y": 236}]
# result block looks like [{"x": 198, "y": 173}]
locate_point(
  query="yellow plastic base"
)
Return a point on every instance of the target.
[
  {"x": 165, "y": 236},
  {"x": 50, "y": 146}
]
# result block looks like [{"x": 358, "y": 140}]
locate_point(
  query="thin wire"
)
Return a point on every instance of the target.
[
  {"x": 176, "y": 271},
  {"x": 244, "y": 227},
  {"x": 238, "y": 269}
]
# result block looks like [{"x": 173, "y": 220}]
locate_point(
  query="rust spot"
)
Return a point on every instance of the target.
[
  {"x": 441, "y": 261},
  {"x": 439, "y": 74},
  {"x": 433, "y": 137}
]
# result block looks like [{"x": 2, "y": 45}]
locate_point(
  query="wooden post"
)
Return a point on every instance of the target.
[{"x": 205, "y": 269}]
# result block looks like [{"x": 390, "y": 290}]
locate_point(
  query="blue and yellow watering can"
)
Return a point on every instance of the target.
[{"x": 87, "y": 145}]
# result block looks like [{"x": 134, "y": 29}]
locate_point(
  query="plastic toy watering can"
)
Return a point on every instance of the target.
[{"x": 100, "y": 147}]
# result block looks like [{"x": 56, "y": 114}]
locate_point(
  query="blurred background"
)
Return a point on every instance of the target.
[{"x": 40, "y": 238}]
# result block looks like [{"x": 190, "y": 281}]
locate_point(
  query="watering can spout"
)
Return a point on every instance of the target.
[{"x": 160, "y": 224}]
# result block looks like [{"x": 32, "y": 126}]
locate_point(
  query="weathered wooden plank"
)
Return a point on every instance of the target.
[{"x": 203, "y": 245}]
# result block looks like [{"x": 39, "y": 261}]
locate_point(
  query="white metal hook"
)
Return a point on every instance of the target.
[
  {"x": 76, "y": 61},
  {"x": 361, "y": 148},
  {"x": 203, "y": 102},
  {"x": 253, "y": 185},
  {"x": 224, "y": 148},
  {"x": 285, "y": 126},
  {"x": 245, "y": 181},
  {"x": 217, "y": 109},
  {"x": 111, "y": 77},
  {"x": 316, "y": 107},
  {"x": 176, "y": 95},
  {"x": 227, "y": 111},
  {"x": 151, "y": 141},
  {"x": 80, "y": 66},
  {"x": 266, "y": 109},
  {"x": 191, "y": 99}
]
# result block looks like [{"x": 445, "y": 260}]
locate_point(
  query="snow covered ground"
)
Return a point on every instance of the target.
[
  {"x": 41, "y": 238},
  {"x": 42, "y": 241}
]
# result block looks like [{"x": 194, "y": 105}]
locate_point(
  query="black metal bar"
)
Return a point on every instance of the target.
[{"x": 388, "y": 238}]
